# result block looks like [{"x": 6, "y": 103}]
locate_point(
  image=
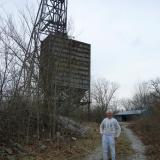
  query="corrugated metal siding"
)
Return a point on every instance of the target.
[{"x": 132, "y": 112}]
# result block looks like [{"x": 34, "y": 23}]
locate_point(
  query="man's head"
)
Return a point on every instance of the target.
[{"x": 109, "y": 114}]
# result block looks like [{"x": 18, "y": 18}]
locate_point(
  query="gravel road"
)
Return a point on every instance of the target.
[{"x": 136, "y": 144}]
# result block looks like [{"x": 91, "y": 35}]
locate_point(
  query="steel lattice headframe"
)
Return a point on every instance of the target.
[{"x": 51, "y": 19}]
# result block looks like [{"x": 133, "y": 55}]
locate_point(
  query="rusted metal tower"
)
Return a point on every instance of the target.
[
  {"x": 51, "y": 19},
  {"x": 63, "y": 63}
]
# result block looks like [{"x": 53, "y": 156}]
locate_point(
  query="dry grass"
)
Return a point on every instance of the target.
[
  {"x": 78, "y": 148},
  {"x": 81, "y": 147},
  {"x": 148, "y": 129},
  {"x": 124, "y": 147},
  {"x": 75, "y": 150}
]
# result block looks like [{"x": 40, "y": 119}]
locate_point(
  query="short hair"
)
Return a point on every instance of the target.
[{"x": 109, "y": 111}]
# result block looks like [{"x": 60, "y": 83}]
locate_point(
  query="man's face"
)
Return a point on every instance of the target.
[{"x": 109, "y": 115}]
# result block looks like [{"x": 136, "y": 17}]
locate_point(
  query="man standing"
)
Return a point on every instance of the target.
[{"x": 110, "y": 131}]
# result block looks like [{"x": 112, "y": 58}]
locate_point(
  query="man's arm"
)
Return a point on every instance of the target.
[
  {"x": 118, "y": 129},
  {"x": 101, "y": 127}
]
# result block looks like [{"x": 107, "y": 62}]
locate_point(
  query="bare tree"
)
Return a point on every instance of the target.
[
  {"x": 141, "y": 98},
  {"x": 103, "y": 94},
  {"x": 18, "y": 76},
  {"x": 127, "y": 104},
  {"x": 155, "y": 88}
]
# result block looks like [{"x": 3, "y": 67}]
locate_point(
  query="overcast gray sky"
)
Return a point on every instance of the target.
[{"x": 124, "y": 34}]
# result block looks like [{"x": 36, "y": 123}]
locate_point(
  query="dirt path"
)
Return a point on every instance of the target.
[{"x": 136, "y": 144}]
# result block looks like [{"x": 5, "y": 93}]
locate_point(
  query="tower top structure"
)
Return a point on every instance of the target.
[{"x": 52, "y": 17}]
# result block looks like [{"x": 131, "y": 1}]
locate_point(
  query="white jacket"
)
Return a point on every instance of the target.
[{"x": 110, "y": 127}]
